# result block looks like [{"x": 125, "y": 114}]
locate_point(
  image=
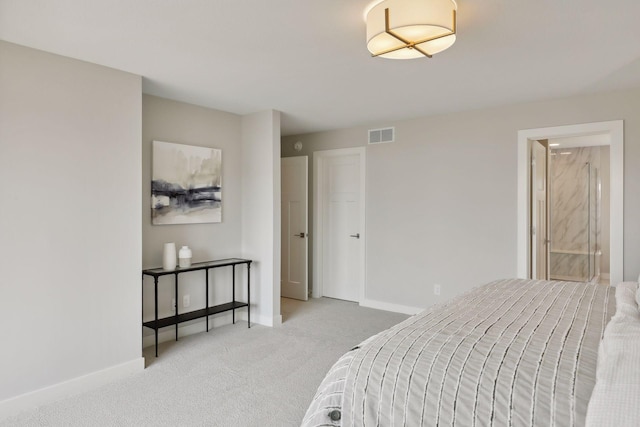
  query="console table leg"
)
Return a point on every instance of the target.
[
  {"x": 155, "y": 281},
  {"x": 249, "y": 295},
  {"x": 177, "y": 304},
  {"x": 142, "y": 308},
  {"x": 206, "y": 286},
  {"x": 233, "y": 291}
]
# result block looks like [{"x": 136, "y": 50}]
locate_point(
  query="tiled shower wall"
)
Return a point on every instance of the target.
[{"x": 574, "y": 221}]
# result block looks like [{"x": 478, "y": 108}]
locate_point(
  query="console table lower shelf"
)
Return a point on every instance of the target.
[
  {"x": 192, "y": 315},
  {"x": 178, "y": 318}
]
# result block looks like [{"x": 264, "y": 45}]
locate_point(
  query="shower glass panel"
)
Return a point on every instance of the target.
[{"x": 574, "y": 213}]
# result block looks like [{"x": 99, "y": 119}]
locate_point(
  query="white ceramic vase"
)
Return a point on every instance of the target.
[
  {"x": 169, "y": 256},
  {"x": 184, "y": 257}
]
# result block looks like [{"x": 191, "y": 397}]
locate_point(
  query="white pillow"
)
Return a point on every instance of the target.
[
  {"x": 626, "y": 298},
  {"x": 615, "y": 397}
]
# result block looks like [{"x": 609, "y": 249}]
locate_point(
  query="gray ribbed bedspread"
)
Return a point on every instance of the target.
[{"x": 509, "y": 353}]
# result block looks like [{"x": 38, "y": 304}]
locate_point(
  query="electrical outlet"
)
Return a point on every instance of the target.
[
  {"x": 186, "y": 301},
  {"x": 436, "y": 289},
  {"x": 173, "y": 305}
]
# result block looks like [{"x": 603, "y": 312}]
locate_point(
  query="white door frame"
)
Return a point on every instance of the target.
[
  {"x": 616, "y": 131},
  {"x": 319, "y": 157}
]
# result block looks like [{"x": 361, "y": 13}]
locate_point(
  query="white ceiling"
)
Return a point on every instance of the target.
[{"x": 308, "y": 58}]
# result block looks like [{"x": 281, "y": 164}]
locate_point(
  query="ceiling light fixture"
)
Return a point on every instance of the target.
[{"x": 407, "y": 29}]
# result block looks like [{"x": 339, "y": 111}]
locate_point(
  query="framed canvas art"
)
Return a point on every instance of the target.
[{"x": 186, "y": 184}]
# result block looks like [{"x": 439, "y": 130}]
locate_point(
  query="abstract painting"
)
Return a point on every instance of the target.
[{"x": 186, "y": 184}]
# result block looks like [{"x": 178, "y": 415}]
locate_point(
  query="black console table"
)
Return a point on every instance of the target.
[{"x": 207, "y": 311}]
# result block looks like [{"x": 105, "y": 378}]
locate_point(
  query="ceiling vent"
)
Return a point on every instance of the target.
[{"x": 381, "y": 136}]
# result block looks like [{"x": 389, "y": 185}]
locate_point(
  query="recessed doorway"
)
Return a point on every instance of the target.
[{"x": 591, "y": 251}]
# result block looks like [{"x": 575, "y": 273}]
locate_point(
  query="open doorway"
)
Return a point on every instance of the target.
[{"x": 577, "y": 247}]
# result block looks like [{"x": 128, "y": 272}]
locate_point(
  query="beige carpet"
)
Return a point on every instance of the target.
[{"x": 230, "y": 376}]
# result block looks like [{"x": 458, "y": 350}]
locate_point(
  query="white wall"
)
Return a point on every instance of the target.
[
  {"x": 69, "y": 224},
  {"x": 441, "y": 200},
  {"x": 173, "y": 121},
  {"x": 261, "y": 211}
]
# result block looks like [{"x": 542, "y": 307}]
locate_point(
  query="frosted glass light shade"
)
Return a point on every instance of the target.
[{"x": 427, "y": 24}]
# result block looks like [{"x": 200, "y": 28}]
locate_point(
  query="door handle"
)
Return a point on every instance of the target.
[
  {"x": 301, "y": 235},
  {"x": 357, "y": 235}
]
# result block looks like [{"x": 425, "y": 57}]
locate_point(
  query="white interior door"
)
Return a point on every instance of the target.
[
  {"x": 341, "y": 210},
  {"x": 294, "y": 259},
  {"x": 539, "y": 232}
]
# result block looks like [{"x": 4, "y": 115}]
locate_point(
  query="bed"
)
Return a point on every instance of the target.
[{"x": 510, "y": 353}]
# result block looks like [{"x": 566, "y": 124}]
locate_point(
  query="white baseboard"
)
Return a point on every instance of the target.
[
  {"x": 386, "y": 306},
  {"x": 275, "y": 321},
  {"x": 260, "y": 319},
  {"x": 43, "y": 396}
]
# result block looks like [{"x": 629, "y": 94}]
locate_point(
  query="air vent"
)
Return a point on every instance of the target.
[{"x": 381, "y": 136}]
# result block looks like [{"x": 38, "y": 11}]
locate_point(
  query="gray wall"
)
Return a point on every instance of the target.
[
  {"x": 69, "y": 219},
  {"x": 261, "y": 211},
  {"x": 177, "y": 122},
  {"x": 73, "y": 171},
  {"x": 441, "y": 200}
]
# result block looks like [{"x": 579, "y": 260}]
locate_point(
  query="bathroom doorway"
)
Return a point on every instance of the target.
[{"x": 591, "y": 248}]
